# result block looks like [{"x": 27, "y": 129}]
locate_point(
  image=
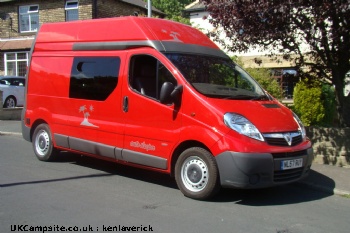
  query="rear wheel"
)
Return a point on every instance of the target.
[
  {"x": 42, "y": 143},
  {"x": 10, "y": 102},
  {"x": 196, "y": 174}
]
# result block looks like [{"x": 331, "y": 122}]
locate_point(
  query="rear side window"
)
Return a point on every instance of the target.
[{"x": 94, "y": 78}]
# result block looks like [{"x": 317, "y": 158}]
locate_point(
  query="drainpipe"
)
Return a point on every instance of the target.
[
  {"x": 11, "y": 26},
  {"x": 94, "y": 9},
  {"x": 149, "y": 7}
]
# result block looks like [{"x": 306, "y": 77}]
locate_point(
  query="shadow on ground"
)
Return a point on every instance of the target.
[
  {"x": 279, "y": 195},
  {"x": 298, "y": 192}
]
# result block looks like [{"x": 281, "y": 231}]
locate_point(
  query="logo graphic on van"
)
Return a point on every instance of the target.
[
  {"x": 86, "y": 115},
  {"x": 174, "y": 35},
  {"x": 142, "y": 145},
  {"x": 288, "y": 137}
]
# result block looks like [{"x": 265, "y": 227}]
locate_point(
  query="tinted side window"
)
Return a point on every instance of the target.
[
  {"x": 94, "y": 78},
  {"x": 18, "y": 82},
  {"x": 4, "y": 82}
]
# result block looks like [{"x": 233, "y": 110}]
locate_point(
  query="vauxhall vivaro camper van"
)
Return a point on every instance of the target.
[{"x": 160, "y": 95}]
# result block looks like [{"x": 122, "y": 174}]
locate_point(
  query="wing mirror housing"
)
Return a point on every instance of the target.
[{"x": 170, "y": 94}]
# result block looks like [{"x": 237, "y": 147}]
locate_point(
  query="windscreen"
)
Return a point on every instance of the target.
[{"x": 217, "y": 77}]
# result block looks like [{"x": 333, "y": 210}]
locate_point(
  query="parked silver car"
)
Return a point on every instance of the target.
[{"x": 12, "y": 88}]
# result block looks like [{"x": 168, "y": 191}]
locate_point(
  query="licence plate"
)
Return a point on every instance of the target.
[{"x": 290, "y": 164}]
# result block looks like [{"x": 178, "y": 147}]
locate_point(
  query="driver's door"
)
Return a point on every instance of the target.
[{"x": 151, "y": 128}]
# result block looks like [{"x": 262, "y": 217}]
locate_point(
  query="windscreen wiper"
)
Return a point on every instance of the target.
[{"x": 261, "y": 97}]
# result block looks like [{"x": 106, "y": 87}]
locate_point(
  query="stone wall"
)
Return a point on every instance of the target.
[
  {"x": 331, "y": 145},
  {"x": 9, "y": 113}
]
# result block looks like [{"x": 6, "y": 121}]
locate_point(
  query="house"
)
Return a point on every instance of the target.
[
  {"x": 282, "y": 70},
  {"x": 20, "y": 20}
]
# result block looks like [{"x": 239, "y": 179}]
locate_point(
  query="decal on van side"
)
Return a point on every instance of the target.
[
  {"x": 86, "y": 116},
  {"x": 173, "y": 35},
  {"x": 142, "y": 145}
]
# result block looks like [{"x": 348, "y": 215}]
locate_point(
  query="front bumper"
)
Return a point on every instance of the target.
[{"x": 260, "y": 170}]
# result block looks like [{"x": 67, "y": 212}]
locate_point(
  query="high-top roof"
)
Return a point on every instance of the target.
[{"x": 121, "y": 33}]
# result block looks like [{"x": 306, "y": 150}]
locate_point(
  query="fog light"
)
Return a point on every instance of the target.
[{"x": 254, "y": 179}]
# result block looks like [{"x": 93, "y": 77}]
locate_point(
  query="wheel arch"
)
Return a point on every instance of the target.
[
  {"x": 34, "y": 125},
  {"x": 12, "y": 96},
  {"x": 182, "y": 147}
]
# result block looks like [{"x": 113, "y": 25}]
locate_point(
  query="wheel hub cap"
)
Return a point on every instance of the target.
[
  {"x": 194, "y": 174},
  {"x": 42, "y": 143}
]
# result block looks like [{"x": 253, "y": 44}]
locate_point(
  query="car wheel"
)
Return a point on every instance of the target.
[
  {"x": 10, "y": 102},
  {"x": 196, "y": 174},
  {"x": 42, "y": 143}
]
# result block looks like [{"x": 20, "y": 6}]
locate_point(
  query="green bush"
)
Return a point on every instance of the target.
[
  {"x": 263, "y": 77},
  {"x": 314, "y": 102}
]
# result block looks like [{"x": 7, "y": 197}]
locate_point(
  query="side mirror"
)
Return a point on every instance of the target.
[
  {"x": 170, "y": 94},
  {"x": 176, "y": 95}
]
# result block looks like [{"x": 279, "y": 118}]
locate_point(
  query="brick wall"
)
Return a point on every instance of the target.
[
  {"x": 112, "y": 8},
  {"x": 5, "y": 29},
  {"x": 49, "y": 11},
  {"x": 53, "y": 11}
]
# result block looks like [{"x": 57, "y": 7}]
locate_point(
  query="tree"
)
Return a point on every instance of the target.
[
  {"x": 172, "y": 9},
  {"x": 314, "y": 35}
]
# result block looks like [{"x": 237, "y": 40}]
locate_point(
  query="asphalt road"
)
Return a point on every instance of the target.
[{"x": 81, "y": 194}]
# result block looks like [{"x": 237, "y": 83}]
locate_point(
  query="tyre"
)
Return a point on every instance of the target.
[
  {"x": 10, "y": 102},
  {"x": 196, "y": 174},
  {"x": 42, "y": 143}
]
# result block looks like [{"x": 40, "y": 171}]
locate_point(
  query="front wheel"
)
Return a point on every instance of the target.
[
  {"x": 196, "y": 174},
  {"x": 42, "y": 143}
]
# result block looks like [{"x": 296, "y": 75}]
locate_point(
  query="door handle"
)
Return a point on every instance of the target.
[{"x": 125, "y": 104}]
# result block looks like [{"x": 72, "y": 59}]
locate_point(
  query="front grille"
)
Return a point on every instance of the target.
[
  {"x": 287, "y": 175},
  {"x": 281, "y": 139},
  {"x": 289, "y": 154}
]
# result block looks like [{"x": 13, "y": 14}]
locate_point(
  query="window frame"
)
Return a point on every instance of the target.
[
  {"x": 71, "y": 9},
  {"x": 30, "y": 13},
  {"x": 16, "y": 60}
]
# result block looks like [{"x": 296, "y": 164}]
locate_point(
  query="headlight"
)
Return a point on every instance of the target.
[
  {"x": 242, "y": 125},
  {"x": 300, "y": 124}
]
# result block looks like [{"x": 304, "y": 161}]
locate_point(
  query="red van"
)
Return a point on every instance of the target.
[{"x": 159, "y": 95}]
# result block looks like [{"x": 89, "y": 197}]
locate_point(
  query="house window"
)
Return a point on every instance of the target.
[
  {"x": 71, "y": 8},
  {"x": 28, "y": 18},
  {"x": 16, "y": 63}
]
